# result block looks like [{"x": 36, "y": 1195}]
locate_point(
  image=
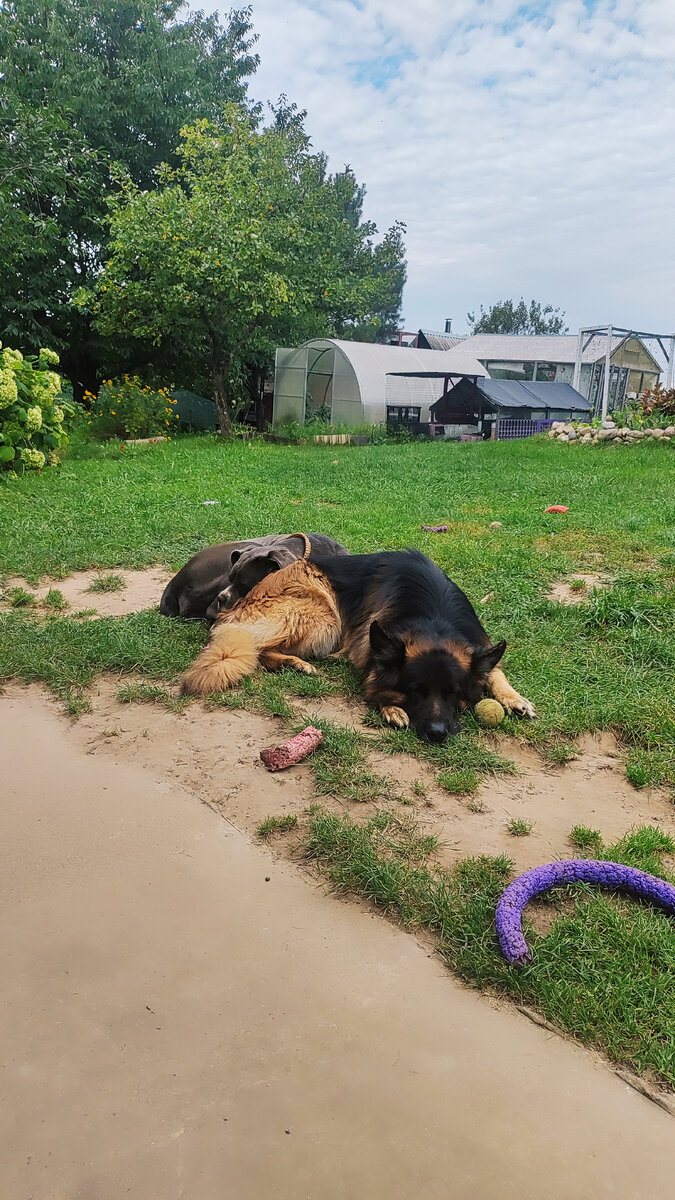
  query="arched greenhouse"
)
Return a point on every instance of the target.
[{"x": 356, "y": 383}]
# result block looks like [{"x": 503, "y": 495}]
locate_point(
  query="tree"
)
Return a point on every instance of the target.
[
  {"x": 242, "y": 247},
  {"x": 87, "y": 84},
  {"x": 389, "y": 270},
  {"x": 507, "y": 317}
]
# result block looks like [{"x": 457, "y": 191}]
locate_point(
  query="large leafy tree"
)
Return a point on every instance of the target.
[
  {"x": 508, "y": 317},
  {"x": 85, "y": 84},
  {"x": 243, "y": 246}
]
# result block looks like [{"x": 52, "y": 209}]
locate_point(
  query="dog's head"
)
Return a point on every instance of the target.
[
  {"x": 247, "y": 568},
  {"x": 431, "y": 680}
]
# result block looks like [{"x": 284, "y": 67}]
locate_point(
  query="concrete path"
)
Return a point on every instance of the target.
[{"x": 176, "y": 1025}]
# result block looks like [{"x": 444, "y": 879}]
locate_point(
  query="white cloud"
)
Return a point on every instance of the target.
[{"x": 529, "y": 148}]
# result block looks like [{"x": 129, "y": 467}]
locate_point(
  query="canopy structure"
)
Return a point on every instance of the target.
[
  {"x": 363, "y": 383},
  {"x": 471, "y": 402}
]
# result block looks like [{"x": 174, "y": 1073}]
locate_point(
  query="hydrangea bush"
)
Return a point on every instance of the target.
[
  {"x": 129, "y": 408},
  {"x": 31, "y": 421}
]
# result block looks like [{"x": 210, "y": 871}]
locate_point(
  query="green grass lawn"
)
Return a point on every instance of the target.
[
  {"x": 605, "y": 969},
  {"x": 607, "y": 664}
]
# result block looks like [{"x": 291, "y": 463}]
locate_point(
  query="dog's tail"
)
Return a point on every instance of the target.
[{"x": 231, "y": 654}]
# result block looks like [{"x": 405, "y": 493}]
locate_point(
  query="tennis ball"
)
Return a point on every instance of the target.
[{"x": 489, "y": 712}]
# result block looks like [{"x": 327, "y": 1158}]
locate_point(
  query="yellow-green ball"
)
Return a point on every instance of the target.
[{"x": 489, "y": 712}]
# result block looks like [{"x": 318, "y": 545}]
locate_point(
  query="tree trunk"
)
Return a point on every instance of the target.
[
  {"x": 256, "y": 382},
  {"x": 221, "y": 398}
]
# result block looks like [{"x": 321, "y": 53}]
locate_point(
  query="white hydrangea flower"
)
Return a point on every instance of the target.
[
  {"x": 8, "y": 388},
  {"x": 34, "y": 419},
  {"x": 33, "y": 458}
]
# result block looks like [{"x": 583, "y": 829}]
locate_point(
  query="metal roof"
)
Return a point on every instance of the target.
[
  {"x": 554, "y": 348},
  {"x": 441, "y": 341},
  {"x": 515, "y": 393}
]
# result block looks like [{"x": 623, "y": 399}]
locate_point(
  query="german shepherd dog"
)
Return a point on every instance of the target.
[{"x": 409, "y": 630}]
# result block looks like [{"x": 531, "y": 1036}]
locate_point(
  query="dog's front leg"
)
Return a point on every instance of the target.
[
  {"x": 508, "y": 697},
  {"x": 395, "y": 716}
]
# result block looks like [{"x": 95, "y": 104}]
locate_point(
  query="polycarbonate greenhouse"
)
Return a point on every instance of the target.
[{"x": 364, "y": 383}]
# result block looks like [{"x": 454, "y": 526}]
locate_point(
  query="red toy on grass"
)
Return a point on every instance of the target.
[
  {"x": 279, "y": 757},
  {"x": 556, "y": 508}
]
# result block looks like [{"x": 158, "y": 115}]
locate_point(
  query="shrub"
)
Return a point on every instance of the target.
[
  {"x": 129, "y": 408},
  {"x": 31, "y": 421},
  {"x": 658, "y": 402}
]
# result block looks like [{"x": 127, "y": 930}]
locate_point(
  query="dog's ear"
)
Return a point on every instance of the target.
[
  {"x": 486, "y": 660},
  {"x": 386, "y": 646},
  {"x": 234, "y": 557},
  {"x": 283, "y": 557}
]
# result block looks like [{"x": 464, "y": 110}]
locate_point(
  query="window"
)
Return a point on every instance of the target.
[
  {"x": 510, "y": 370},
  {"x": 404, "y": 416},
  {"x": 546, "y": 372}
]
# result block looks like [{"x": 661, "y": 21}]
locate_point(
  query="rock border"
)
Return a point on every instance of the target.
[{"x": 586, "y": 435}]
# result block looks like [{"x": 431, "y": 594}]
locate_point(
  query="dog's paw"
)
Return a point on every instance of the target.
[
  {"x": 519, "y": 706},
  {"x": 395, "y": 716},
  {"x": 305, "y": 667}
]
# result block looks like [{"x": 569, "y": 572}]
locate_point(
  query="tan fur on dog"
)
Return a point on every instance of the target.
[{"x": 288, "y": 615}]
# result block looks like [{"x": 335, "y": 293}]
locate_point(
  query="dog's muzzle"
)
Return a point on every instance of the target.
[{"x": 226, "y": 599}]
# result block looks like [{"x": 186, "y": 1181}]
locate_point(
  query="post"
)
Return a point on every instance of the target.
[
  {"x": 576, "y": 380},
  {"x": 669, "y": 369},
  {"x": 605, "y": 382}
]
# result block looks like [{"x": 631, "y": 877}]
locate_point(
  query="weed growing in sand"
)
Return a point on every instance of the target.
[
  {"x": 559, "y": 753},
  {"x": 107, "y": 583},
  {"x": 277, "y": 825},
  {"x": 587, "y": 841},
  {"x": 459, "y": 783},
  {"x": 152, "y": 693},
  {"x": 76, "y": 702},
  {"x": 18, "y": 597},
  {"x": 519, "y": 827},
  {"x": 55, "y": 600},
  {"x": 604, "y": 972}
]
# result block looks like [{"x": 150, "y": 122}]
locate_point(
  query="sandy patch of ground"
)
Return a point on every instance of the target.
[
  {"x": 592, "y": 790},
  {"x": 185, "y": 1015},
  {"x": 564, "y": 592},
  {"x": 217, "y": 754},
  {"x": 142, "y": 589}
]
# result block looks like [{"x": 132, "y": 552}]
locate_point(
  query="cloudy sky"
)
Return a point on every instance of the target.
[{"x": 529, "y": 147}]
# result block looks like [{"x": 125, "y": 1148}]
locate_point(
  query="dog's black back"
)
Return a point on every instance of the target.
[
  {"x": 414, "y": 635},
  {"x": 416, "y": 589}
]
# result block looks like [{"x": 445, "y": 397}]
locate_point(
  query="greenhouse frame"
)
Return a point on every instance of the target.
[{"x": 365, "y": 383}]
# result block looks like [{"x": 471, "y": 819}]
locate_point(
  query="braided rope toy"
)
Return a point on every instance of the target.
[{"x": 508, "y": 916}]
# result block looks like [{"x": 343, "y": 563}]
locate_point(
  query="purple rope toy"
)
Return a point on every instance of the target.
[{"x": 509, "y": 912}]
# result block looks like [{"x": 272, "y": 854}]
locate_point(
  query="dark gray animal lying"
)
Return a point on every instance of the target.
[{"x": 218, "y": 576}]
